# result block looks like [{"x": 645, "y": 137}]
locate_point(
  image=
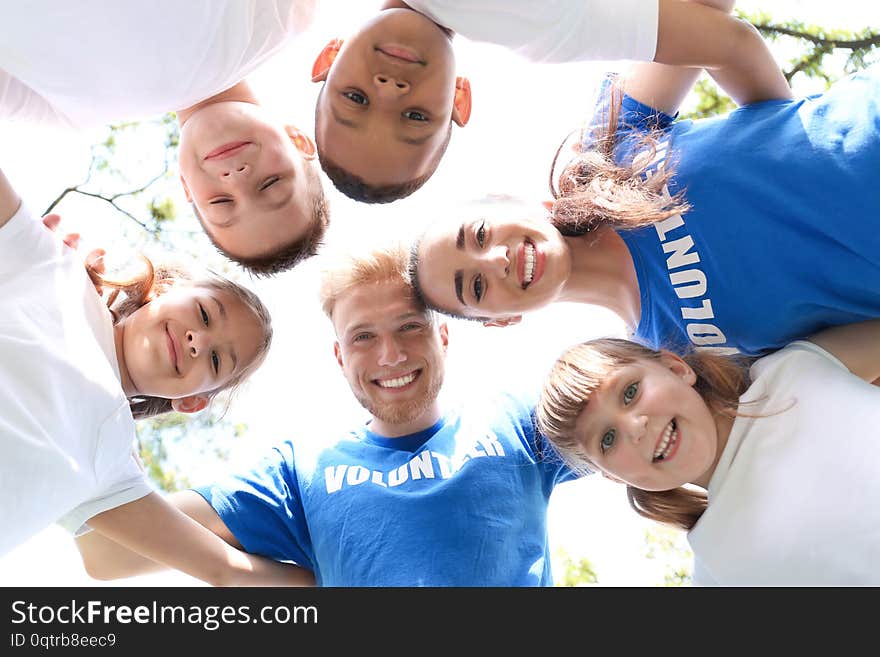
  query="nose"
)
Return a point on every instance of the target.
[
  {"x": 195, "y": 343},
  {"x": 387, "y": 86},
  {"x": 240, "y": 170},
  {"x": 498, "y": 260},
  {"x": 637, "y": 427},
  {"x": 391, "y": 352}
]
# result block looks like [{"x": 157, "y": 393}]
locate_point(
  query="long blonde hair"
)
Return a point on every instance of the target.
[
  {"x": 581, "y": 370},
  {"x": 155, "y": 280}
]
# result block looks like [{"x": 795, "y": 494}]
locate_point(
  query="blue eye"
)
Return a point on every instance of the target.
[
  {"x": 607, "y": 441},
  {"x": 215, "y": 360},
  {"x": 360, "y": 337},
  {"x": 630, "y": 392},
  {"x": 411, "y": 326},
  {"x": 356, "y": 97},
  {"x": 204, "y": 315},
  {"x": 414, "y": 115}
]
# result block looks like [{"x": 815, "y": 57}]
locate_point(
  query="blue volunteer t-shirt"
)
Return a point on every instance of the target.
[
  {"x": 463, "y": 503},
  {"x": 782, "y": 237}
]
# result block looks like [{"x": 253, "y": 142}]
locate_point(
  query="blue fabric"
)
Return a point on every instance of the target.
[
  {"x": 463, "y": 504},
  {"x": 782, "y": 237}
]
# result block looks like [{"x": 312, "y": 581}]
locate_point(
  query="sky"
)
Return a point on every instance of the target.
[{"x": 521, "y": 113}]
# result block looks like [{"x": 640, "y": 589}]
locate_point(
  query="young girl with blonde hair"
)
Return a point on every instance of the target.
[
  {"x": 76, "y": 374},
  {"x": 771, "y": 468}
]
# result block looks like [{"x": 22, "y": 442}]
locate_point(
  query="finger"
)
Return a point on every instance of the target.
[
  {"x": 72, "y": 240},
  {"x": 51, "y": 221},
  {"x": 95, "y": 259}
]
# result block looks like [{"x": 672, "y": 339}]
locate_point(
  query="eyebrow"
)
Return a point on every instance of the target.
[
  {"x": 459, "y": 275},
  {"x": 222, "y": 310},
  {"x": 459, "y": 239}
]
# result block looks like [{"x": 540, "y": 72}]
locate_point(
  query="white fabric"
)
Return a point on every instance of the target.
[
  {"x": 795, "y": 499},
  {"x": 66, "y": 431},
  {"x": 90, "y": 62},
  {"x": 554, "y": 30}
]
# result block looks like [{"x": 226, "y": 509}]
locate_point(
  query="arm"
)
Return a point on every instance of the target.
[
  {"x": 159, "y": 530},
  {"x": 9, "y": 201},
  {"x": 701, "y": 34},
  {"x": 856, "y": 345}
]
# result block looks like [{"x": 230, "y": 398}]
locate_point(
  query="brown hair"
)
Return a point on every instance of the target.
[
  {"x": 582, "y": 369},
  {"x": 155, "y": 280},
  {"x": 595, "y": 190},
  {"x": 287, "y": 255}
]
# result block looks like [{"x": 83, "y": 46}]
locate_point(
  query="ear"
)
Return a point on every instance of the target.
[
  {"x": 302, "y": 141},
  {"x": 444, "y": 335},
  {"x": 191, "y": 404},
  {"x": 189, "y": 198},
  {"x": 548, "y": 205},
  {"x": 338, "y": 353},
  {"x": 461, "y": 105},
  {"x": 678, "y": 367},
  {"x": 324, "y": 61},
  {"x": 504, "y": 321}
]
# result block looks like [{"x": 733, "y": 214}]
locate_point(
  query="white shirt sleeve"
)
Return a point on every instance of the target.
[
  {"x": 18, "y": 102},
  {"x": 554, "y": 30}
]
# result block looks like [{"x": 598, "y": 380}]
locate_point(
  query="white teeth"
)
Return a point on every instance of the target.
[
  {"x": 399, "y": 382},
  {"x": 529, "y": 269},
  {"x": 670, "y": 436}
]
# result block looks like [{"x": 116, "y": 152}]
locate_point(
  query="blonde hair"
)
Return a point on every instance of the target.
[
  {"x": 153, "y": 281},
  {"x": 350, "y": 269},
  {"x": 581, "y": 370}
]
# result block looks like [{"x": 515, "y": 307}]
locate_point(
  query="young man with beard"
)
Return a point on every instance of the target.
[{"x": 418, "y": 496}]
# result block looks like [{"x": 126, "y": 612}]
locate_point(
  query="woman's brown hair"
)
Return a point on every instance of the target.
[{"x": 595, "y": 189}]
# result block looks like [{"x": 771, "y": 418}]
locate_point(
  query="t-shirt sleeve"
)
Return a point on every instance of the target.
[
  {"x": 131, "y": 484},
  {"x": 25, "y": 243},
  {"x": 263, "y": 508},
  {"x": 18, "y": 102},
  {"x": 521, "y": 410},
  {"x": 554, "y": 30}
]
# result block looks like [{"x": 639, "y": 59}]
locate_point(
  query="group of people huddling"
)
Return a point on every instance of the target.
[{"x": 737, "y": 250}]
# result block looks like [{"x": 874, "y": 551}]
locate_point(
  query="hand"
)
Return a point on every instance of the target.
[
  {"x": 52, "y": 221},
  {"x": 94, "y": 259}
]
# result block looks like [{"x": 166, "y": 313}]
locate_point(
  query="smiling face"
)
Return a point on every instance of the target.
[
  {"x": 492, "y": 268},
  {"x": 247, "y": 178},
  {"x": 392, "y": 355},
  {"x": 386, "y": 107},
  {"x": 188, "y": 341},
  {"x": 647, "y": 426}
]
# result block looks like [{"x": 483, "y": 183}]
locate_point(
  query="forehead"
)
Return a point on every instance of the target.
[{"x": 373, "y": 304}]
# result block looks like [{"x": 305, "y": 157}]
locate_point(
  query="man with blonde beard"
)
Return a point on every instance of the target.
[{"x": 417, "y": 496}]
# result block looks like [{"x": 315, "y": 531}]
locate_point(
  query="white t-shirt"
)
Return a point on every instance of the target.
[
  {"x": 795, "y": 499},
  {"x": 554, "y": 30},
  {"x": 66, "y": 431},
  {"x": 90, "y": 62}
]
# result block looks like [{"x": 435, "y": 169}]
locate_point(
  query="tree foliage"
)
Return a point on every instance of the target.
[{"x": 813, "y": 47}]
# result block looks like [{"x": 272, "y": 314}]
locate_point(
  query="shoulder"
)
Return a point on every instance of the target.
[{"x": 800, "y": 355}]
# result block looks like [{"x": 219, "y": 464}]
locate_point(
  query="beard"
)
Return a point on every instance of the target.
[{"x": 401, "y": 412}]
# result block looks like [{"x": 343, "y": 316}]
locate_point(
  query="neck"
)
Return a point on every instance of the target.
[
  {"x": 723, "y": 425},
  {"x": 240, "y": 92},
  {"x": 124, "y": 377},
  {"x": 395, "y": 430},
  {"x": 602, "y": 274}
]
